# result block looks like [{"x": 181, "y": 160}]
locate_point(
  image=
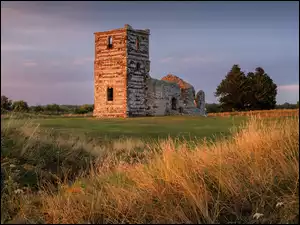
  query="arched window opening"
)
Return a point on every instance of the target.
[
  {"x": 173, "y": 104},
  {"x": 110, "y": 42}
]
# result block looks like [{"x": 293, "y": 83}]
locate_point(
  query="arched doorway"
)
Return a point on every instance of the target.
[{"x": 174, "y": 104}]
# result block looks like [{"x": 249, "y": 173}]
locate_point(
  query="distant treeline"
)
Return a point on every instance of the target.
[
  {"x": 215, "y": 108},
  {"x": 8, "y": 105}
]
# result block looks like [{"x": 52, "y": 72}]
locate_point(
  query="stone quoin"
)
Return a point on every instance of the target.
[{"x": 123, "y": 86}]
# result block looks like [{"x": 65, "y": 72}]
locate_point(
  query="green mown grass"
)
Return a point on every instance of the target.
[{"x": 145, "y": 128}]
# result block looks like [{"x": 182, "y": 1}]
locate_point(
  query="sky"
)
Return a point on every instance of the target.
[{"x": 47, "y": 48}]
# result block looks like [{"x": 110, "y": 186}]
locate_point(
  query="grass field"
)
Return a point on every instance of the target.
[
  {"x": 150, "y": 170},
  {"x": 153, "y": 127}
]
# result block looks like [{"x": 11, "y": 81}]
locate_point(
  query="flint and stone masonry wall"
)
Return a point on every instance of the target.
[
  {"x": 125, "y": 68},
  {"x": 137, "y": 71},
  {"x": 110, "y": 71}
]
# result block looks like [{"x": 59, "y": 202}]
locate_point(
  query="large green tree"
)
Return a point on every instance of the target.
[
  {"x": 232, "y": 90},
  {"x": 20, "y": 106},
  {"x": 256, "y": 91},
  {"x": 262, "y": 91}
]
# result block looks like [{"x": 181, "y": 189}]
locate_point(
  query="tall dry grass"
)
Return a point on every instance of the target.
[{"x": 251, "y": 178}]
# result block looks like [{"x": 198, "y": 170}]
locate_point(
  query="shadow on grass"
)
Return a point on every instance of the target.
[{"x": 32, "y": 162}]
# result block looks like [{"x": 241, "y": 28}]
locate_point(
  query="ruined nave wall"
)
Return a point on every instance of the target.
[{"x": 159, "y": 97}]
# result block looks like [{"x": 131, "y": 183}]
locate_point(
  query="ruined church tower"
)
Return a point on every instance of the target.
[{"x": 121, "y": 68}]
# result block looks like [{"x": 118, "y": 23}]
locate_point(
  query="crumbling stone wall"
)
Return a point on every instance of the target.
[
  {"x": 187, "y": 90},
  {"x": 159, "y": 97},
  {"x": 200, "y": 101},
  {"x": 122, "y": 63},
  {"x": 161, "y": 93}
]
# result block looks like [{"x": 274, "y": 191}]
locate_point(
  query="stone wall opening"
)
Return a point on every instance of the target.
[
  {"x": 110, "y": 94},
  {"x": 180, "y": 110},
  {"x": 137, "y": 43},
  {"x": 109, "y": 42},
  {"x": 174, "y": 103},
  {"x": 138, "y": 66}
]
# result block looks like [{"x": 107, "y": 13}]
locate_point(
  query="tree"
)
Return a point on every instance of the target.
[
  {"x": 20, "y": 106},
  {"x": 252, "y": 92},
  {"x": 37, "y": 108},
  {"x": 232, "y": 90},
  {"x": 53, "y": 108},
  {"x": 261, "y": 91},
  {"x": 87, "y": 108},
  {"x": 297, "y": 104},
  {"x": 5, "y": 103},
  {"x": 80, "y": 110},
  {"x": 212, "y": 108}
]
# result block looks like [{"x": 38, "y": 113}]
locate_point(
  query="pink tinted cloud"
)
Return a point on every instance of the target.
[
  {"x": 291, "y": 87},
  {"x": 55, "y": 63},
  {"x": 199, "y": 59},
  {"x": 29, "y": 63},
  {"x": 189, "y": 60},
  {"x": 166, "y": 60},
  {"x": 15, "y": 47},
  {"x": 83, "y": 61},
  {"x": 78, "y": 93},
  {"x": 33, "y": 31}
]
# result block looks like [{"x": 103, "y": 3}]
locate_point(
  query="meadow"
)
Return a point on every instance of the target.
[{"x": 216, "y": 169}]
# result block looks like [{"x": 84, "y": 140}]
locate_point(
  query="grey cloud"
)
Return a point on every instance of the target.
[
  {"x": 58, "y": 36},
  {"x": 45, "y": 73},
  {"x": 16, "y": 47},
  {"x": 93, "y": 12},
  {"x": 70, "y": 93}
]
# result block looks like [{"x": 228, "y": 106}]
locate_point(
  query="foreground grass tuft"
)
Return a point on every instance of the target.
[{"x": 253, "y": 177}]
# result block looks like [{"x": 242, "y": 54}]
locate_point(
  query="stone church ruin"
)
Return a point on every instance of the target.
[{"x": 123, "y": 86}]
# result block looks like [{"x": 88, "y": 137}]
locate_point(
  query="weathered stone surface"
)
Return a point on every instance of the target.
[
  {"x": 200, "y": 101},
  {"x": 159, "y": 97},
  {"x": 124, "y": 66},
  {"x": 172, "y": 78},
  {"x": 110, "y": 72},
  {"x": 187, "y": 90}
]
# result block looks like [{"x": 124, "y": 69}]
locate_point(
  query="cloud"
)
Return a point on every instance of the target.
[
  {"x": 166, "y": 60},
  {"x": 27, "y": 18},
  {"x": 288, "y": 93},
  {"x": 190, "y": 60},
  {"x": 29, "y": 63},
  {"x": 78, "y": 93},
  {"x": 30, "y": 31},
  {"x": 199, "y": 59},
  {"x": 44, "y": 73},
  {"x": 291, "y": 87},
  {"x": 55, "y": 63},
  {"x": 17, "y": 47},
  {"x": 83, "y": 61},
  {"x": 24, "y": 29}
]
